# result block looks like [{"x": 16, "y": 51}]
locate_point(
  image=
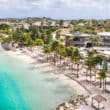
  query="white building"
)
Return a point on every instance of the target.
[
  {"x": 81, "y": 24},
  {"x": 26, "y": 25},
  {"x": 105, "y": 37},
  {"x": 53, "y": 23},
  {"x": 66, "y": 24},
  {"x": 79, "y": 39},
  {"x": 37, "y": 23},
  {"x": 2, "y": 22}
]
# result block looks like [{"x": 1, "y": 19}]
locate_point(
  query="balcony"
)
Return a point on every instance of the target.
[{"x": 78, "y": 42}]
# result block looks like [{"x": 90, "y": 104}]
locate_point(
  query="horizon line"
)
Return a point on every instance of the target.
[{"x": 55, "y": 18}]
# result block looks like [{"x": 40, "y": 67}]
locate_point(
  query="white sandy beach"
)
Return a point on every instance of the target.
[
  {"x": 32, "y": 59},
  {"x": 28, "y": 59}
]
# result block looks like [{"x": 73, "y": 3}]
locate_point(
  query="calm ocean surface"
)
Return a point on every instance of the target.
[{"x": 22, "y": 89}]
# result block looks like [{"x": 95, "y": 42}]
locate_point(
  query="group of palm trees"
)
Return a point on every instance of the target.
[
  {"x": 92, "y": 62},
  {"x": 31, "y": 37},
  {"x": 65, "y": 55},
  {"x": 74, "y": 58}
]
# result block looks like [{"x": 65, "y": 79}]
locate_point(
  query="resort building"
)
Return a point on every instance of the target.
[
  {"x": 76, "y": 39},
  {"x": 37, "y": 23},
  {"x": 4, "y": 22},
  {"x": 26, "y": 25},
  {"x": 68, "y": 39},
  {"x": 19, "y": 25},
  {"x": 66, "y": 24},
  {"x": 52, "y": 23},
  {"x": 81, "y": 39},
  {"x": 81, "y": 24},
  {"x": 105, "y": 38}
]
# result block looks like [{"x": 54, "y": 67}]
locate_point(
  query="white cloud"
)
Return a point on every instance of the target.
[
  {"x": 33, "y": 6},
  {"x": 47, "y": 4}
]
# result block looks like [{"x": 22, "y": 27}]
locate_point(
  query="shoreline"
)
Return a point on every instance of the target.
[{"x": 80, "y": 90}]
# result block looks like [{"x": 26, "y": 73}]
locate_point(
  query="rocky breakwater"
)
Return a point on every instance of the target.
[
  {"x": 73, "y": 103},
  {"x": 5, "y": 46}
]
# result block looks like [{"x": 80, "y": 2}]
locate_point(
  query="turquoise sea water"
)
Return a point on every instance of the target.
[{"x": 22, "y": 89}]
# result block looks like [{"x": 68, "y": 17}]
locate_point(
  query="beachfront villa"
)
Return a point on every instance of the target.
[
  {"x": 19, "y": 25},
  {"x": 66, "y": 24},
  {"x": 105, "y": 38},
  {"x": 4, "y": 22},
  {"x": 78, "y": 39},
  {"x": 68, "y": 41},
  {"x": 37, "y": 23}
]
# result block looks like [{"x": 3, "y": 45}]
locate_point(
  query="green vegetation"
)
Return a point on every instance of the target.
[
  {"x": 85, "y": 29},
  {"x": 4, "y": 26},
  {"x": 76, "y": 57},
  {"x": 39, "y": 42},
  {"x": 56, "y": 50},
  {"x": 61, "y": 23},
  {"x": 102, "y": 77},
  {"x": 92, "y": 61},
  {"x": 71, "y": 57},
  {"x": 58, "y": 34},
  {"x": 29, "y": 37}
]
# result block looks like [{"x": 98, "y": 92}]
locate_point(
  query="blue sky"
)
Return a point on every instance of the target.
[{"x": 58, "y": 9}]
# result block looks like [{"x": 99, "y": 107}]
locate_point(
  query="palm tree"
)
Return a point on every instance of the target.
[
  {"x": 90, "y": 65},
  {"x": 105, "y": 67},
  {"x": 90, "y": 54},
  {"x": 54, "y": 48},
  {"x": 76, "y": 57},
  {"x": 69, "y": 53},
  {"x": 95, "y": 40},
  {"x": 102, "y": 76},
  {"x": 97, "y": 61},
  {"x": 47, "y": 49},
  {"x": 39, "y": 42},
  {"x": 34, "y": 32},
  {"x": 93, "y": 60},
  {"x": 61, "y": 23},
  {"x": 58, "y": 34},
  {"x": 61, "y": 51}
]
